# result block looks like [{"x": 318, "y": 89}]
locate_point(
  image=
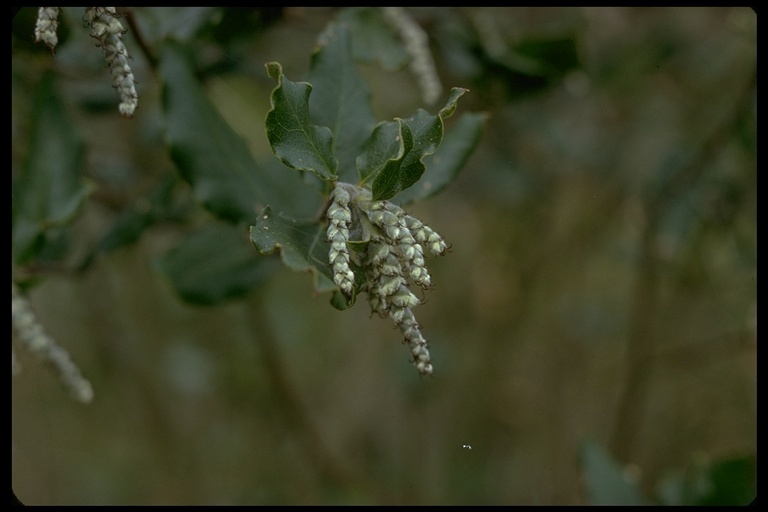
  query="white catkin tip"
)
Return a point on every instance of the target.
[
  {"x": 46, "y": 25},
  {"x": 424, "y": 368},
  {"x": 83, "y": 392},
  {"x": 32, "y": 336}
]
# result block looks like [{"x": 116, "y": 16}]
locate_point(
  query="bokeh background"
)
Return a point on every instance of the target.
[{"x": 593, "y": 327}]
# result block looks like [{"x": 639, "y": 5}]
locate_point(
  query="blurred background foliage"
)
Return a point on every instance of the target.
[{"x": 593, "y": 329}]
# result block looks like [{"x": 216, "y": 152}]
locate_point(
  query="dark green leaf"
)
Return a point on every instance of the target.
[
  {"x": 132, "y": 222},
  {"x": 340, "y": 98},
  {"x": 302, "y": 245},
  {"x": 533, "y": 65},
  {"x": 179, "y": 23},
  {"x": 552, "y": 57},
  {"x": 126, "y": 230},
  {"x": 51, "y": 189},
  {"x": 293, "y": 194},
  {"x": 444, "y": 164},
  {"x": 398, "y": 174},
  {"x": 450, "y": 106},
  {"x": 234, "y": 25},
  {"x": 726, "y": 482},
  {"x": 213, "y": 265},
  {"x": 733, "y": 482},
  {"x": 297, "y": 142},
  {"x": 390, "y": 178},
  {"x": 208, "y": 153},
  {"x": 387, "y": 145}
]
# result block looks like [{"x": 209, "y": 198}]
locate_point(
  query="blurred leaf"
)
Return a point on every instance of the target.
[
  {"x": 727, "y": 482},
  {"x": 340, "y": 98},
  {"x": 606, "y": 483},
  {"x": 393, "y": 172},
  {"x": 302, "y": 245},
  {"x": 531, "y": 66},
  {"x": 677, "y": 488},
  {"x": 213, "y": 265},
  {"x": 126, "y": 230},
  {"x": 179, "y": 23},
  {"x": 549, "y": 57},
  {"x": 373, "y": 38},
  {"x": 443, "y": 165},
  {"x": 733, "y": 482},
  {"x": 208, "y": 153},
  {"x": 297, "y": 142},
  {"x": 131, "y": 223},
  {"x": 223, "y": 45},
  {"x": 240, "y": 23},
  {"x": 51, "y": 189}
]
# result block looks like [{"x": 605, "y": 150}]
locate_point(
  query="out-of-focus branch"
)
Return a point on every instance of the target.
[
  {"x": 690, "y": 172},
  {"x": 138, "y": 37},
  {"x": 640, "y": 345},
  {"x": 330, "y": 469}
]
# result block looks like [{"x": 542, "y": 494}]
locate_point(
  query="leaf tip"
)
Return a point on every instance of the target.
[
  {"x": 274, "y": 70},
  {"x": 453, "y": 98}
]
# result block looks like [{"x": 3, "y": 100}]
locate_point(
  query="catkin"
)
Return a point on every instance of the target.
[
  {"x": 32, "y": 335},
  {"x": 108, "y": 31},
  {"x": 392, "y": 259},
  {"x": 46, "y": 25},
  {"x": 339, "y": 219}
]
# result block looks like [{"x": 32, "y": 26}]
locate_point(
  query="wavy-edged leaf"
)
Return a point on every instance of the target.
[
  {"x": 445, "y": 164},
  {"x": 296, "y": 194},
  {"x": 387, "y": 145},
  {"x": 293, "y": 194},
  {"x": 213, "y": 265},
  {"x": 340, "y": 98},
  {"x": 303, "y": 247},
  {"x": 397, "y": 175},
  {"x": 51, "y": 189},
  {"x": 450, "y": 106},
  {"x": 297, "y": 142},
  {"x": 208, "y": 153}
]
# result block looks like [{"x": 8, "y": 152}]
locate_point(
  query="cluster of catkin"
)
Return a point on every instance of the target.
[
  {"x": 108, "y": 31},
  {"x": 392, "y": 257}
]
